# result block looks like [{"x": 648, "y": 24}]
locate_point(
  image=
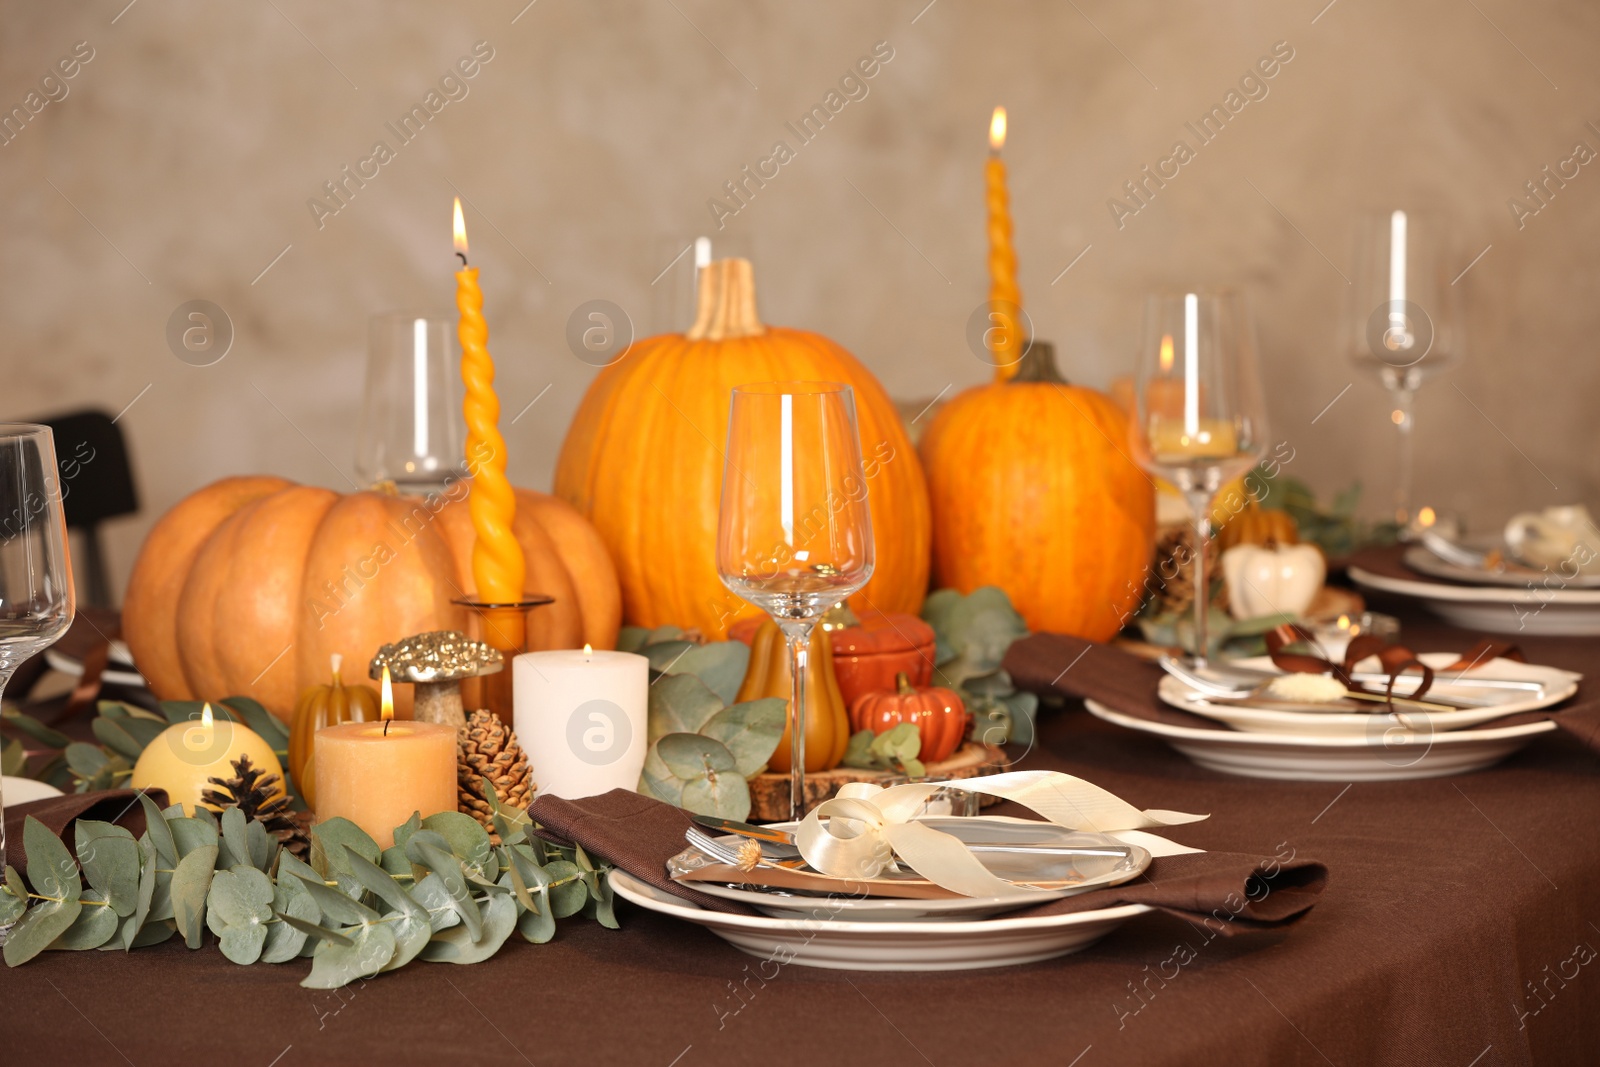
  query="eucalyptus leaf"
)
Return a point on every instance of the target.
[
  {"x": 512, "y": 824},
  {"x": 664, "y": 655},
  {"x": 526, "y": 877},
  {"x": 38, "y": 928},
  {"x": 191, "y": 881},
  {"x": 859, "y": 752},
  {"x": 86, "y": 760},
  {"x": 311, "y": 929},
  {"x": 190, "y": 834},
  {"x": 632, "y": 638},
  {"x": 148, "y": 858},
  {"x": 336, "y": 905},
  {"x": 160, "y": 832},
  {"x": 207, "y": 816},
  {"x": 691, "y": 756},
  {"x": 51, "y": 867},
  {"x": 403, "y": 832},
  {"x": 668, "y": 788},
  {"x": 431, "y": 893},
  {"x": 236, "y": 847},
  {"x": 238, "y": 910},
  {"x": 111, "y": 734},
  {"x": 448, "y": 870},
  {"x": 144, "y": 731},
  {"x": 178, "y": 711},
  {"x": 902, "y": 741},
  {"x": 720, "y": 665},
  {"x": 538, "y": 924},
  {"x": 262, "y": 845},
  {"x": 602, "y": 902},
  {"x": 666, "y": 633},
  {"x": 109, "y": 857},
  {"x": 284, "y": 940},
  {"x": 12, "y": 902},
  {"x": 95, "y": 925},
  {"x": 383, "y": 886},
  {"x": 327, "y": 837},
  {"x": 35, "y": 729},
  {"x": 334, "y": 965},
  {"x": 465, "y": 836},
  {"x": 725, "y": 795},
  {"x": 13, "y": 759},
  {"x": 750, "y": 731},
  {"x": 568, "y": 898},
  {"x": 259, "y": 719},
  {"x": 152, "y": 933},
  {"x": 497, "y": 920},
  {"x": 680, "y": 703}
]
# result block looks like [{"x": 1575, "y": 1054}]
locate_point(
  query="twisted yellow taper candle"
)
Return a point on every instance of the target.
[
  {"x": 498, "y": 567},
  {"x": 1005, "y": 338}
]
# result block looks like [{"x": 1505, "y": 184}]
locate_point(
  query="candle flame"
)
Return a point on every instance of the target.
[
  {"x": 1344, "y": 622},
  {"x": 206, "y": 719},
  {"x": 1426, "y": 517},
  {"x": 460, "y": 229},
  {"x": 997, "y": 129},
  {"x": 387, "y": 703},
  {"x": 1166, "y": 353},
  {"x": 588, "y": 649}
]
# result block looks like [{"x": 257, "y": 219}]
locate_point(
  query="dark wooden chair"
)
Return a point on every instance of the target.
[{"x": 96, "y": 485}]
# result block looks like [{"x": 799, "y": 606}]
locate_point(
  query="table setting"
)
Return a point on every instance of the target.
[{"x": 813, "y": 667}]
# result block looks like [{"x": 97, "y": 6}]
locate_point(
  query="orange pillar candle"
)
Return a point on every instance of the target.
[
  {"x": 377, "y": 773},
  {"x": 498, "y": 569},
  {"x": 1005, "y": 337}
]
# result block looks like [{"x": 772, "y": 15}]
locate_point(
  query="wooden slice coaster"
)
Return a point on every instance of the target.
[{"x": 769, "y": 793}]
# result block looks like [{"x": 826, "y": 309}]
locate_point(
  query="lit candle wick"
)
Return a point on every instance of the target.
[{"x": 386, "y": 705}]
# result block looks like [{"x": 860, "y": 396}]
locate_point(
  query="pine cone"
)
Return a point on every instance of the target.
[
  {"x": 487, "y": 748},
  {"x": 1172, "y": 574},
  {"x": 255, "y": 793}
]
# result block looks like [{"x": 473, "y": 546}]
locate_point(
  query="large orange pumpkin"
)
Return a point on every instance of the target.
[
  {"x": 250, "y": 584},
  {"x": 1033, "y": 490},
  {"x": 643, "y": 458}
]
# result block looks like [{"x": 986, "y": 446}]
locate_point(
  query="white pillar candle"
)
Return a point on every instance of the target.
[{"x": 580, "y": 715}]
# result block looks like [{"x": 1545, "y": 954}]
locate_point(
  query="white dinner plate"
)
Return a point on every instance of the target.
[
  {"x": 1557, "y": 685},
  {"x": 1384, "y": 755},
  {"x": 1547, "y": 609},
  {"x": 1419, "y": 559},
  {"x": 1095, "y": 872},
  {"x": 15, "y": 790},
  {"x": 119, "y": 670},
  {"x": 889, "y": 946}
]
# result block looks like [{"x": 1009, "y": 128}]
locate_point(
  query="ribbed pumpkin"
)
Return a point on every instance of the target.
[
  {"x": 325, "y": 705},
  {"x": 1033, "y": 491},
  {"x": 939, "y": 714},
  {"x": 643, "y": 458},
  {"x": 248, "y": 586}
]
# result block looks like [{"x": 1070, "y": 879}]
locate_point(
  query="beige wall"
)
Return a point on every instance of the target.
[{"x": 189, "y": 145}]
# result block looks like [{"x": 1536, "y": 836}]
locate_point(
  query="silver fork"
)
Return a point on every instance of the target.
[{"x": 724, "y": 853}]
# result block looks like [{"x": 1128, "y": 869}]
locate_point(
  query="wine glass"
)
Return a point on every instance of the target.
[
  {"x": 411, "y": 429},
  {"x": 795, "y": 533},
  {"x": 1200, "y": 415},
  {"x": 1404, "y": 318},
  {"x": 36, "y": 595}
]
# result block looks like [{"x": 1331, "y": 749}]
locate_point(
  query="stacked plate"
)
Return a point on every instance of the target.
[
  {"x": 1346, "y": 743},
  {"x": 886, "y": 933},
  {"x": 1492, "y": 596}
]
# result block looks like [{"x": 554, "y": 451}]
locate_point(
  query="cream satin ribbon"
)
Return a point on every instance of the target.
[{"x": 867, "y": 826}]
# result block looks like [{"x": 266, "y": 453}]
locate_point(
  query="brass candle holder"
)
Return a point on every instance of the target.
[{"x": 502, "y": 626}]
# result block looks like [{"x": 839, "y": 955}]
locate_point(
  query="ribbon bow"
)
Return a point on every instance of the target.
[
  {"x": 1395, "y": 659},
  {"x": 867, "y": 826}
]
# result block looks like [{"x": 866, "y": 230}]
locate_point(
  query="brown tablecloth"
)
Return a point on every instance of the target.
[{"x": 1459, "y": 927}]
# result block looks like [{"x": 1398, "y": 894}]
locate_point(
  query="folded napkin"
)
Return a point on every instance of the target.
[
  {"x": 120, "y": 806},
  {"x": 1225, "y": 892},
  {"x": 1124, "y": 682}
]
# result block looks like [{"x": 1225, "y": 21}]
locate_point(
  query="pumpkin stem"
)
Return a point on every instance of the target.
[
  {"x": 839, "y": 617},
  {"x": 903, "y": 685},
  {"x": 1038, "y": 364},
  {"x": 727, "y": 302}
]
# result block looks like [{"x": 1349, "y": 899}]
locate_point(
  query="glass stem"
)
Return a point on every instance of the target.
[
  {"x": 5, "y": 676},
  {"x": 799, "y": 635},
  {"x": 1200, "y": 504},
  {"x": 1404, "y": 421}
]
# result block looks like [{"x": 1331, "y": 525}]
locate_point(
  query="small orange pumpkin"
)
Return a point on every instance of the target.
[
  {"x": 319, "y": 706},
  {"x": 827, "y": 726},
  {"x": 938, "y": 713}
]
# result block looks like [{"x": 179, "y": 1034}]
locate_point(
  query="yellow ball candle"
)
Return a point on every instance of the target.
[{"x": 185, "y": 756}]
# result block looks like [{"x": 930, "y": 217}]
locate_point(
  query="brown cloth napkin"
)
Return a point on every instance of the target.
[
  {"x": 120, "y": 806},
  {"x": 1124, "y": 682},
  {"x": 1225, "y": 892}
]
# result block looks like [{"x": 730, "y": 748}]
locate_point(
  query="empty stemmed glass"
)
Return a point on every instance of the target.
[
  {"x": 795, "y": 533},
  {"x": 1201, "y": 417},
  {"x": 36, "y": 594},
  {"x": 1404, "y": 319}
]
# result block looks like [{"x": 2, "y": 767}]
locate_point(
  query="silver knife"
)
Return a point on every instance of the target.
[{"x": 784, "y": 841}]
